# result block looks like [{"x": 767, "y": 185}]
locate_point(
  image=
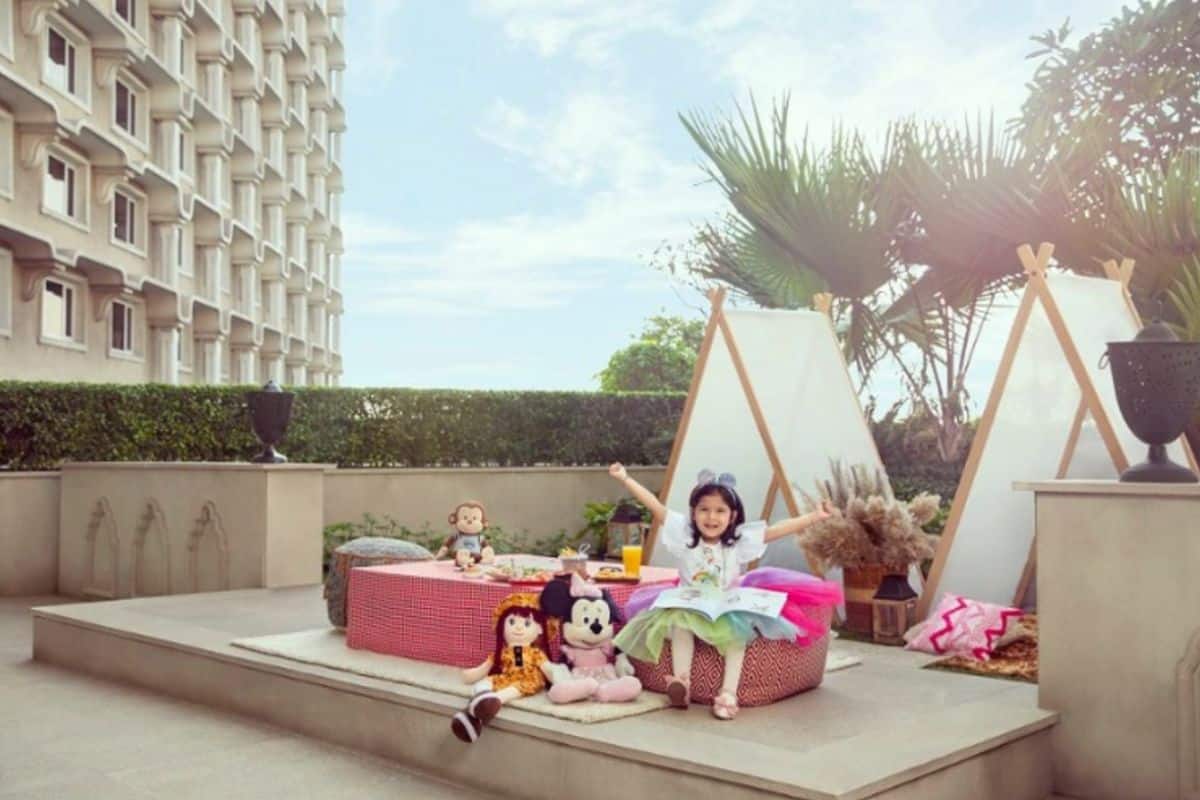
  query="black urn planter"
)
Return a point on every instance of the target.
[
  {"x": 1157, "y": 382},
  {"x": 270, "y": 413}
]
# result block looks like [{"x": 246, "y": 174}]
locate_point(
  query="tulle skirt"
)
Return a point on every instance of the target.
[{"x": 647, "y": 628}]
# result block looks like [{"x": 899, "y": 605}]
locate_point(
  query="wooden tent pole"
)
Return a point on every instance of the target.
[
  {"x": 1082, "y": 378},
  {"x": 760, "y": 421},
  {"x": 979, "y": 442},
  {"x": 716, "y": 299}
]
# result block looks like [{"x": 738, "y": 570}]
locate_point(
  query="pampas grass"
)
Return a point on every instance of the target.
[{"x": 868, "y": 525}]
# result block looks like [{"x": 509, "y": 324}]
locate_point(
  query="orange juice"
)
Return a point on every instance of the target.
[{"x": 631, "y": 557}]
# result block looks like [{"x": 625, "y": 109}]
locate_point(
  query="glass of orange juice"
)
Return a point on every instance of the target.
[{"x": 631, "y": 558}]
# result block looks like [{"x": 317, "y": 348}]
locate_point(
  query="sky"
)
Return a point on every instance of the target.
[{"x": 512, "y": 165}]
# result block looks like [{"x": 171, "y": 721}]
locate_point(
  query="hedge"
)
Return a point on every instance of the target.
[{"x": 44, "y": 424}]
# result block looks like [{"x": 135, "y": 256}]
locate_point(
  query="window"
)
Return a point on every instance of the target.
[
  {"x": 124, "y": 219},
  {"x": 58, "y": 311},
  {"x": 126, "y": 10},
  {"x": 126, "y": 109},
  {"x": 183, "y": 349},
  {"x": 61, "y": 189},
  {"x": 183, "y": 152},
  {"x": 185, "y": 53},
  {"x": 61, "y": 61},
  {"x": 121, "y": 328},
  {"x": 6, "y": 290},
  {"x": 7, "y": 140}
]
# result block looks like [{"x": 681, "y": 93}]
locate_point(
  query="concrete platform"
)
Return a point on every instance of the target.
[{"x": 884, "y": 729}]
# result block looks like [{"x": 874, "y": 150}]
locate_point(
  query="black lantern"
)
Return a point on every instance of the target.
[
  {"x": 893, "y": 610},
  {"x": 270, "y": 412},
  {"x": 1157, "y": 381}
]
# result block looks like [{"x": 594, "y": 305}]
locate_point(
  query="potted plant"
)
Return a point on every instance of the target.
[{"x": 871, "y": 534}]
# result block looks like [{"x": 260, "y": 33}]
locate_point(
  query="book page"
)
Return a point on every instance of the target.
[{"x": 712, "y": 603}]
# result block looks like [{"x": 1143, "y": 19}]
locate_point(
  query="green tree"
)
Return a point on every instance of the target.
[
  {"x": 660, "y": 359},
  {"x": 1130, "y": 92}
]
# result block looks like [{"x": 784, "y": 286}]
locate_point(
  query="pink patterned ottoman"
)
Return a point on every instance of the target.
[
  {"x": 772, "y": 670},
  {"x": 429, "y": 611}
]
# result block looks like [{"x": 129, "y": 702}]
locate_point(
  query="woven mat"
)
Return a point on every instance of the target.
[
  {"x": 326, "y": 647},
  {"x": 1017, "y": 661}
]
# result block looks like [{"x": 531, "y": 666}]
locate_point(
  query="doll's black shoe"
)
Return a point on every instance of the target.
[
  {"x": 466, "y": 727},
  {"x": 484, "y": 707}
]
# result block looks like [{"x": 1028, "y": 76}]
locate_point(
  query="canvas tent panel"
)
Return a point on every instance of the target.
[
  {"x": 808, "y": 401},
  {"x": 1029, "y": 433},
  {"x": 1095, "y": 312},
  {"x": 721, "y": 435}
]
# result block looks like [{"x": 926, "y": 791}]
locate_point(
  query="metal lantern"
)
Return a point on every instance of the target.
[
  {"x": 625, "y": 527},
  {"x": 270, "y": 412},
  {"x": 1157, "y": 381},
  {"x": 893, "y": 610}
]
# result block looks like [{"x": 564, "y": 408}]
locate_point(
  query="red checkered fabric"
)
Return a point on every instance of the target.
[
  {"x": 429, "y": 611},
  {"x": 771, "y": 671}
]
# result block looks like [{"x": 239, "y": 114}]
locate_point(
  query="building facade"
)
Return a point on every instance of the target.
[{"x": 170, "y": 187}]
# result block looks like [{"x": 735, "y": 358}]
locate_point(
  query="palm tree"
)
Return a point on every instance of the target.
[{"x": 806, "y": 220}]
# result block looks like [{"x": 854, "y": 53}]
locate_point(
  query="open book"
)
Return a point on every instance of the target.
[{"x": 712, "y": 603}]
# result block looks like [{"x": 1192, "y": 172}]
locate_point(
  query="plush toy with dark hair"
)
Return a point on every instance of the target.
[{"x": 594, "y": 670}]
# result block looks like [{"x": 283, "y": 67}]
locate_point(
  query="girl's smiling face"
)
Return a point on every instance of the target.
[{"x": 712, "y": 516}]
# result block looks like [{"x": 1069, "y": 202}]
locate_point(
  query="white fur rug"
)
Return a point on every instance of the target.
[{"x": 326, "y": 647}]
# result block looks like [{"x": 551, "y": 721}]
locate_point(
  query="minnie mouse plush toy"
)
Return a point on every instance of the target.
[{"x": 593, "y": 669}]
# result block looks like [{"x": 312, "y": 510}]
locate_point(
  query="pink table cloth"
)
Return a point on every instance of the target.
[{"x": 430, "y": 611}]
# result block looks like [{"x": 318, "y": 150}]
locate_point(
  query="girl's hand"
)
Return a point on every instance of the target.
[
  {"x": 617, "y": 470},
  {"x": 823, "y": 511}
]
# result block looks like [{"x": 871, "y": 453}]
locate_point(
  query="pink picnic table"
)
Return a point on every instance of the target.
[{"x": 430, "y": 611}]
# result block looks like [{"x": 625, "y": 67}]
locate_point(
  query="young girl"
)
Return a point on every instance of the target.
[{"x": 713, "y": 548}]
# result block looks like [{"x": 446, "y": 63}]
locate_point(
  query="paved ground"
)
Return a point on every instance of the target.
[{"x": 64, "y": 736}]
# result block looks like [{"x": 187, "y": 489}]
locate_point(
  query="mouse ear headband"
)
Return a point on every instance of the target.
[{"x": 725, "y": 479}]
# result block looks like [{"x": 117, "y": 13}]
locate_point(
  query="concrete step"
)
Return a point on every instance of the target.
[{"x": 881, "y": 730}]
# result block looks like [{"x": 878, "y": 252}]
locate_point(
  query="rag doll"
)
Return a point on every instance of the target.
[
  {"x": 593, "y": 669},
  {"x": 467, "y": 544},
  {"x": 513, "y": 670}
]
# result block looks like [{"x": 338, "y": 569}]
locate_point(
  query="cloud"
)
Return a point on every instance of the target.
[
  {"x": 590, "y": 31},
  {"x": 366, "y": 232},
  {"x": 528, "y": 262},
  {"x": 595, "y": 137},
  {"x": 869, "y": 63},
  {"x": 621, "y": 198},
  {"x": 371, "y": 45}
]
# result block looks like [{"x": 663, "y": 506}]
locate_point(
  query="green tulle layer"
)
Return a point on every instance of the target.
[{"x": 643, "y": 636}]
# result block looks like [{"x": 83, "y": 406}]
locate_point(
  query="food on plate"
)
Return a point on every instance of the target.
[
  {"x": 521, "y": 574},
  {"x": 610, "y": 572}
]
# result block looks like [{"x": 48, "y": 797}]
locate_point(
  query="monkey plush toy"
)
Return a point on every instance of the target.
[{"x": 467, "y": 543}]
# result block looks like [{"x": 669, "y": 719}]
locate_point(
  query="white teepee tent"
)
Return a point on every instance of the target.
[
  {"x": 1052, "y": 413},
  {"x": 771, "y": 402}
]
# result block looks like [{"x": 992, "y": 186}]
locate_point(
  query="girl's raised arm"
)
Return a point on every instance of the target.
[
  {"x": 786, "y": 527},
  {"x": 640, "y": 493}
]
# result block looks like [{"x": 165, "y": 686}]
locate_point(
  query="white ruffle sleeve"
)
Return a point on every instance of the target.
[{"x": 752, "y": 543}]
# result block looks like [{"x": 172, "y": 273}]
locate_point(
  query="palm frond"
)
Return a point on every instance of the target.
[{"x": 1185, "y": 298}]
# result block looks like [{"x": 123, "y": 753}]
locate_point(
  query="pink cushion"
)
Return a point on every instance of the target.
[
  {"x": 771, "y": 671},
  {"x": 962, "y": 627}
]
